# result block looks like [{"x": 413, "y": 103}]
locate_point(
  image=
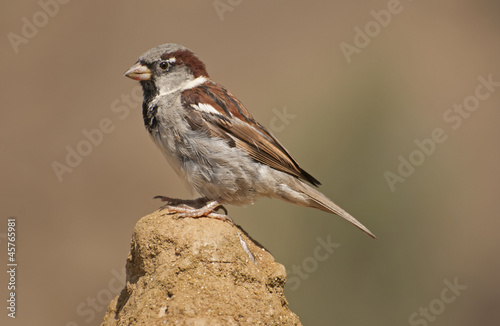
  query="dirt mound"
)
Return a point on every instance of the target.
[{"x": 199, "y": 272}]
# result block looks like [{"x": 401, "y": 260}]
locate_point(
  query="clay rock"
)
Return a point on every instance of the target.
[{"x": 184, "y": 271}]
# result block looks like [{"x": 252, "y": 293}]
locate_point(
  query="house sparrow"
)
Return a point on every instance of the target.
[{"x": 214, "y": 143}]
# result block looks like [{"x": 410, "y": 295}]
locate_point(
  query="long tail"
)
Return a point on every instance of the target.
[{"x": 317, "y": 200}]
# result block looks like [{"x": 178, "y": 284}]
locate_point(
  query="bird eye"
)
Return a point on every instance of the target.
[{"x": 164, "y": 65}]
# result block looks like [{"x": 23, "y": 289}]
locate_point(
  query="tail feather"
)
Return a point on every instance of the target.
[{"x": 320, "y": 201}]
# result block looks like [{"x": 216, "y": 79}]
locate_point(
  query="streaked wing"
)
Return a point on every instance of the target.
[{"x": 212, "y": 108}]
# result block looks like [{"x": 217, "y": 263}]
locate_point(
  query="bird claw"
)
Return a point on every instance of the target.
[
  {"x": 192, "y": 209},
  {"x": 213, "y": 215}
]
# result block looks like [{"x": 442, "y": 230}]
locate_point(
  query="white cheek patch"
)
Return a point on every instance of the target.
[{"x": 205, "y": 108}]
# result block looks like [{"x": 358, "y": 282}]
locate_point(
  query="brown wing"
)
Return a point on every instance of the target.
[{"x": 212, "y": 108}]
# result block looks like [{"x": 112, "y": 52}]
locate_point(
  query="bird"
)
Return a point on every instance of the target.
[{"x": 213, "y": 142}]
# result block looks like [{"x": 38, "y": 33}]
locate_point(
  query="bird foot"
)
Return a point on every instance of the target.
[{"x": 195, "y": 208}]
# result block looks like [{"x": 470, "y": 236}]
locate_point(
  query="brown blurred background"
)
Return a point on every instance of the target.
[{"x": 351, "y": 122}]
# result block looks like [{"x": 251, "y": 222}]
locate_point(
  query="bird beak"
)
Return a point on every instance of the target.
[{"x": 138, "y": 72}]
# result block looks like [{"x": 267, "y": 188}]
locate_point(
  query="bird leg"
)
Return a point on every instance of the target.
[{"x": 195, "y": 208}]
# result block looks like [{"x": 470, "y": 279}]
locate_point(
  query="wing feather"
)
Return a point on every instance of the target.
[{"x": 212, "y": 108}]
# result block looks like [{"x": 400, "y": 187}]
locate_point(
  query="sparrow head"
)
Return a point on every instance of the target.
[{"x": 166, "y": 68}]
